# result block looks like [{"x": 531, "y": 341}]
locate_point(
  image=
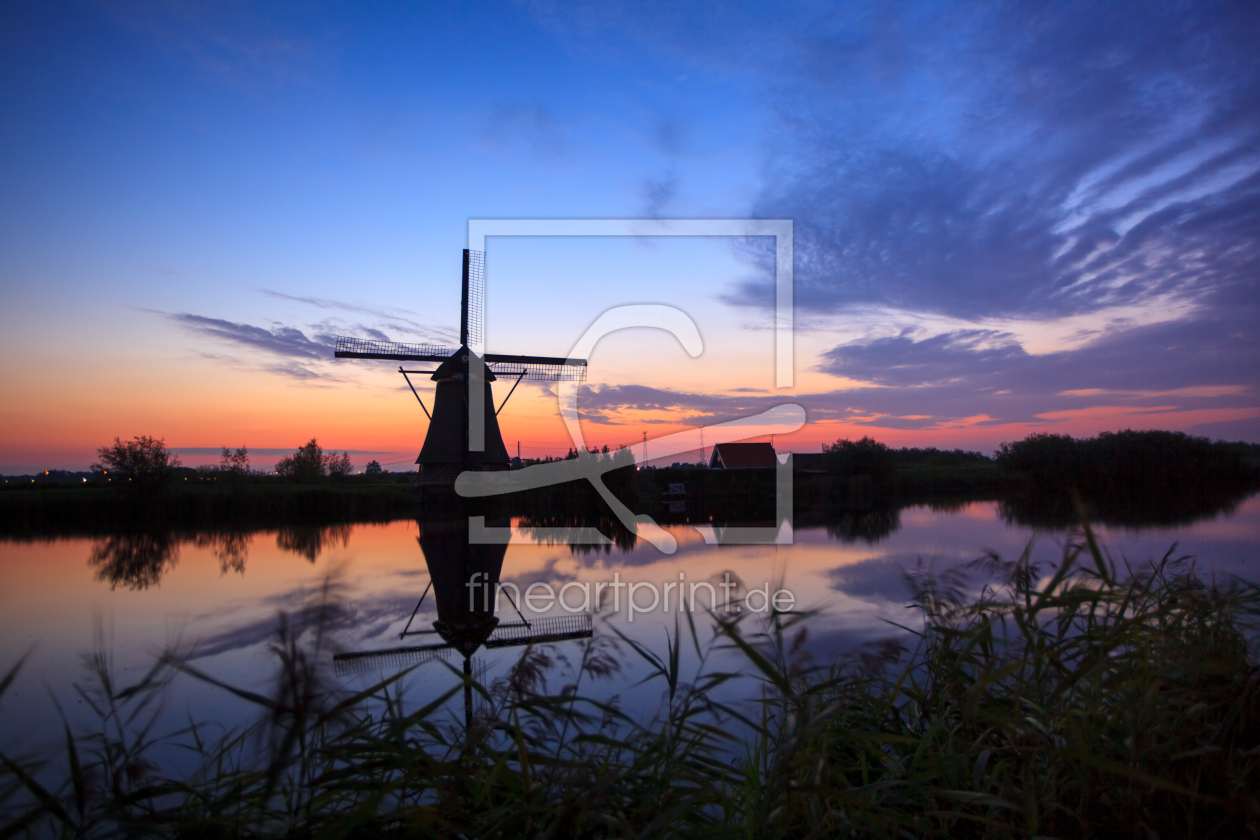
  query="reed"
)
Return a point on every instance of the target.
[{"x": 1092, "y": 698}]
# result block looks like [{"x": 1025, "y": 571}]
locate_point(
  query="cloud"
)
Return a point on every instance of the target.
[
  {"x": 279, "y": 340},
  {"x": 605, "y": 404},
  {"x": 1194, "y": 364},
  {"x": 324, "y": 303},
  {"x": 303, "y": 353},
  {"x": 1025, "y": 160},
  {"x": 658, "y": 193},
  {"x": 391, "y": 319},
  {"x": 344, "y": 619},
  {"x": 941, "y": 359},
  {"x": 978, "y": 377}
]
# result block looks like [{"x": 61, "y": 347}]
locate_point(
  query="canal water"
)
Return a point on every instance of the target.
[{"x": 217, "y": 598}]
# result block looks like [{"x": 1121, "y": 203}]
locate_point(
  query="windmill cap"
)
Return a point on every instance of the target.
[{"x": 457, "y": 365}]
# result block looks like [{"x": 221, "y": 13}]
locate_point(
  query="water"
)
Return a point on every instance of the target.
[{"x": 217, "y": 597}]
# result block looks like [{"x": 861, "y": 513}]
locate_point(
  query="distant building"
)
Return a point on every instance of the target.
[{"x": 743, "y": 456}]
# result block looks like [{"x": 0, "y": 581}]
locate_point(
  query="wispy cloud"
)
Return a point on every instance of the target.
[
  {"x": 279, "y": 340},
  {"x": 325, "y": 303}
]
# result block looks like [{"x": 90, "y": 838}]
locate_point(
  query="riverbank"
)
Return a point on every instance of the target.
[{"x": 680, "y": 495}]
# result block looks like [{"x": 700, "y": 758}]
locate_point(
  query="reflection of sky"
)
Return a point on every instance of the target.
[
  {"x": 1011, "y": 218},
  {"x": 51, "y": 599}
]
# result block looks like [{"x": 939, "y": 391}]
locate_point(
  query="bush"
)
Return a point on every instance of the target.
[{"x": 142, "y": 462}]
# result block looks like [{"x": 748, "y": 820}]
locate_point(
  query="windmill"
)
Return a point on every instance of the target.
[
  {"x": 464, "y": 577},
  {"x": 450, "y": 445}
]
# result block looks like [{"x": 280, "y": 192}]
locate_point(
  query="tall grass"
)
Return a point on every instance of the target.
[{"x": 1088, "y": 699}]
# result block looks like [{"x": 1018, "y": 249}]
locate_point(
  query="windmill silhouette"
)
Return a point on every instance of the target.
[
  {"x": 464, "y": 577},
  {"x": 446, "y": 451}
]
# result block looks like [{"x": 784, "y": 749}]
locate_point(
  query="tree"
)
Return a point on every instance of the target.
[
  {"x": 236, "y": 462},
  {"x": 143, "y": 461},
  {"x": 305, "y": 466},
  {"x": 373, "y": 468},
  {"x": 865, "y": 457},
  {"x": 339, "y": 466}
]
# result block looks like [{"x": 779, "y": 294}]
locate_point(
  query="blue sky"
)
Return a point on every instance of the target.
[{"x": 1009, "y": 216}]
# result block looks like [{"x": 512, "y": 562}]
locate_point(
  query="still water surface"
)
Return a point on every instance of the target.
[{"x": 218, "y": 597}]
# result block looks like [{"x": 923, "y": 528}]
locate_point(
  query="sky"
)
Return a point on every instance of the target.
[{"x": 1008, "y": 217}]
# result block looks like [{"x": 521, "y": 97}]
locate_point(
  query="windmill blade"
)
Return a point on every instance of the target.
[
  {"x": 356, "y": 662},
  {"x": 560, "y": 628},
  {"x": 363, "y": 348},
  {"x": 472, "y": 321},
  {"x": 537, "y": 368}
]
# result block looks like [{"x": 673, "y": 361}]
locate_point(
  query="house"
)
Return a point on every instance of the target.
[{"x": 743, "y": 456}]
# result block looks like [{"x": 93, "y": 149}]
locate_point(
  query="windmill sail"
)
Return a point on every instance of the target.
[
  {"x": 345, "y": 664},
  {"x": 530, "y": 368},
  {"x": 537, "y": 368},
  {"x": 349, "y": 347},
  {"x": 560, "y": 628},
  {"x": 472, "y": 321},
  {"x": 540, "y": 631}
]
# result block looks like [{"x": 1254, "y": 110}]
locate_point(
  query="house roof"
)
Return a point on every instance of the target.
[{"x": 734, "y": 456}]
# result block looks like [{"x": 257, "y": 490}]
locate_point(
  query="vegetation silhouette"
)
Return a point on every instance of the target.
[
  {"x": 142, "y": 464},
  {"x": 869, "y": 525},
  {"x": 136, "y": 560},
  {"x": 310, "y": 542}
]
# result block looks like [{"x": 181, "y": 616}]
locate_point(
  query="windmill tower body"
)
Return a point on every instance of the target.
[
  {"x": 465, "y": 578},
  {"x": 446, "y": 451}
]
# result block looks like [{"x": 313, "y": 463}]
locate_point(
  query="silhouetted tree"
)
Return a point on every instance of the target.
[
  {"x": 305, "y": 466},
  {"x": 142, "y": 462},
  {"x": 236, "y": 462},
  {"x": 372, "y": 468},
  {"x": 339, "y": 466}
]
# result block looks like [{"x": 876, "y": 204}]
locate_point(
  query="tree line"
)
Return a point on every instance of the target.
[
  {"x": 1110, "y": 459},
  {"x": 145, "y": 462}
]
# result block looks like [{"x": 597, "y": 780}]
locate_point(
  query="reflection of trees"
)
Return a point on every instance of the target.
[
  {"x": 608, "y": 525},
  {"x": 309, "y": 541},
  {"x": 1138, "y": 507},
  {"x": 231, "y": 548},
  {"x": 135, "y": 560},
  {"x": 867, "y": 524}
]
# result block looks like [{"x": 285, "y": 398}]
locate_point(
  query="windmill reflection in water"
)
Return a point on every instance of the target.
[{"x": 464, "y": 578}]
